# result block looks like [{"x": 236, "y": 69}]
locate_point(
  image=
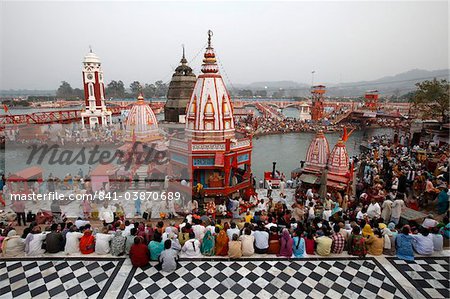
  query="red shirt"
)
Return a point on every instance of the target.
[
  {"x": 309, "y": 244},
  {"x": 139, "y": 255}
]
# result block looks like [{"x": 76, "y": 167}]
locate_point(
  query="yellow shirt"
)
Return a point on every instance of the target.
[
  {"x": 323, "y": 245},
  {"x": 248, "y": 218}
]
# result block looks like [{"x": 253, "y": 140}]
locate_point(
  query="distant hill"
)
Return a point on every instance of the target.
[{"x": 390, "y": 85}]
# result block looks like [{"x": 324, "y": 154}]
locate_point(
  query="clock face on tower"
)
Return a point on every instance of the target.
[{"x": 89, "y": 76}]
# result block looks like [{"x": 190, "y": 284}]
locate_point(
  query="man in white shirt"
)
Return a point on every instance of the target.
[
  {"x": 199, "y": 230},
  {"x": 106, "y": 214},
  {"x": 261, "y": 240},
  {"x": 128, "y": 227},
  {"x": 102, "y": 242},
  {"x": 261, "y": 206},
  {"x": 232, "y": 230},
  {"x": 397, "y": 208},
  {"x": 374, "y": 210}
]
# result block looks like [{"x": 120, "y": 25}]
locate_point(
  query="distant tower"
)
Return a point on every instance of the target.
[
  {"x": 179, "y": 93},
  {"x": 371, "y": 97},
  {"x": 94, "y": 93},
  {"x": 317, "y": 92}
]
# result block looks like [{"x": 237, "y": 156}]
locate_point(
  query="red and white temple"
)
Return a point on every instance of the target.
[
  {"x": 141, "y": 123},
  {"x": 318, "y": 157},
  {"x": 339, "y": 174},
  {"x": 317, "y": 154},
  {"x": 211, "y": 155},
  {"x": 94, "y": 93}
]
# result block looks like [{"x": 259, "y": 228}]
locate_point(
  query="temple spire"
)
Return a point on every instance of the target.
[
  {"x": 183, "y": 58},
  {"x": 210, "y": 34},
  {"x": 90, "y": 49}
]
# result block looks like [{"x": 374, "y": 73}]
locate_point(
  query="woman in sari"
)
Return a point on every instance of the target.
[
  {"x": 367, "y": 231},
  {"x": 207, "y": 247},
  {"x": 222, "y": 243},
  {"x": 286, "y": 244}
]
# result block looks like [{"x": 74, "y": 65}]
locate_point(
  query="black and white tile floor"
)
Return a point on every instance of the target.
[
  {"x": 269, "y": 278},
  {"x": 428, "y": 275}
]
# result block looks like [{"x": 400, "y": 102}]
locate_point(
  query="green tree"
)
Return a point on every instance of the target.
[
  {"x": 115, "y": 89},
  {"x": 64, "y": 90},
  {"x": 161, "y": 89},
  {"x": 149, "y": 90},
  {"x": 432, "y": 98},
  {"x": 135, "y": 88}
]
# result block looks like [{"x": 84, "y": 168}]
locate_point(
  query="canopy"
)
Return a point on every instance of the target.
[
  {"x": 309, "y": 178},
  {"x": 28, "y": 173}
]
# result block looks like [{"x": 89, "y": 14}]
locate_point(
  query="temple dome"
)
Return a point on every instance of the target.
[
  {"x": 91, "y": 57},
  {"x": 318, "y": 153},
  {"x": 141, "y": 123},
  {"x": 210, "y": 113},
  {"x": 338, "y": 163}
]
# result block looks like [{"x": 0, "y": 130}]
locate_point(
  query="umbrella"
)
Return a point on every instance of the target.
[{"x": 323, "y": 184}]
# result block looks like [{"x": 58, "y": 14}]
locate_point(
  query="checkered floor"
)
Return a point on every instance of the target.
[
  {"x": 56, "y": 278},
  {"x": 429, "y": 275},
  {"x": 265, "y": 279}
]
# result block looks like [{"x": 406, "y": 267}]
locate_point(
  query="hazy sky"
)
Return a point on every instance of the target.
[{"x": 43, "y": 43}]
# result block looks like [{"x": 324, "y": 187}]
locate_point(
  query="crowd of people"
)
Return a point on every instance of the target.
[{"x": 390, "y": 177}]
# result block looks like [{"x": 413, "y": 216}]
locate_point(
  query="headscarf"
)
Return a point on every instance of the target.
[
  {"x": 387, "y": 234},
  {"x": 285, "y": 235},
  {"x": 222, "y": 243},
  {"x": 367, "y": 230},
  {"x": 207, "y": 247},
  {"x": 335, "y": 209},
  {"x": 391, "y": 226}
]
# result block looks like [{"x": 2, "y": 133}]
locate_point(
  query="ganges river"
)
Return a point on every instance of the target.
[{"x": 285, "y": 149}]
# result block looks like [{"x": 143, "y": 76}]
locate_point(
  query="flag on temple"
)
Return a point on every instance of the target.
[{"x": 5, "y": 108}]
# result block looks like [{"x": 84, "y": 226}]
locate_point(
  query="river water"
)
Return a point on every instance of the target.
[{"x": 285, "y": 149}]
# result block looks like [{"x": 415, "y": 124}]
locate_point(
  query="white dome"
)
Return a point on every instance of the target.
[{"x": 91, "y": 58}]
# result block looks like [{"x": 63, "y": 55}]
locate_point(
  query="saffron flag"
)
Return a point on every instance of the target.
[
  {"x": 5, "y": 108},
  {"x": 344, "y": 135}
]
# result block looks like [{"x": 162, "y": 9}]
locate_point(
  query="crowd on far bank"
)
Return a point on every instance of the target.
[{"x": 265, "y": 125}]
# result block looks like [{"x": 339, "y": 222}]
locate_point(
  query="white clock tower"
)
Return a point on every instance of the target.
[{"x": 94, "y": 93}]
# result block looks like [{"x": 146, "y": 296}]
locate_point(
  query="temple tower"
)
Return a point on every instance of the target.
[
  {"x": 317, "y": 110},
  {"x": 179, "y": 93}
]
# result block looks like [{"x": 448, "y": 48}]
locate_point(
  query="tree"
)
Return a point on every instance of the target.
[
  {"x": 115, "y": 89},
  {"x": 149, "y": 90},
  {"x": 432, "y": 98},
  {"x": 64, "y": 90},
  {"x": 161, "y": 88},
  {"x": 136, "y": 88}
]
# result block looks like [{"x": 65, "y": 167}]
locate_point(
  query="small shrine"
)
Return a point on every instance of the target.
[
  {"x": 141, "y": 123},
  {"x": 319, "y": 158}
]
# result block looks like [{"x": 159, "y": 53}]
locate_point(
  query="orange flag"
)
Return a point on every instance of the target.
[
  {"x": 5, "y": 108},
  {"x": 345, "y": 135}
]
